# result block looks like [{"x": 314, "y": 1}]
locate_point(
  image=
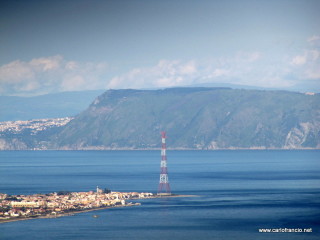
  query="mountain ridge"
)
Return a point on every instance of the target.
[{"x": 194, "y": 118}]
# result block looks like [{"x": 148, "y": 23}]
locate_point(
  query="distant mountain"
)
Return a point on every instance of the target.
[
  {"x": 229, "y": 85},
  {"x": 63, "y": 104},
  {"x": 194, "y": 118},
  {"x": 306, "y": 87}
]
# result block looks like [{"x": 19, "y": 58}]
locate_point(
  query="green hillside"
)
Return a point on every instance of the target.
[{"x": 195, "y": 118}]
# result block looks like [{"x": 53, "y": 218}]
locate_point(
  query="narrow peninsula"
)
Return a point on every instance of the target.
[{"x": 23, "y": 207}]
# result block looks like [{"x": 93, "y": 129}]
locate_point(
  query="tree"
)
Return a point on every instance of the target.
[
  {"x": 63, "y": 193},
  {"x": 106, "y": 190}
]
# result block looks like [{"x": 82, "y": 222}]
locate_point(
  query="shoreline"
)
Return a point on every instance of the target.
[
  {"x": 71, "y": 213},
  {"x": 176, "y": 149},
  {"x": 65, "y": 214}
]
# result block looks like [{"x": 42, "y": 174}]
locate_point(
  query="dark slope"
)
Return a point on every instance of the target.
[{"x": 197, "y": 118}]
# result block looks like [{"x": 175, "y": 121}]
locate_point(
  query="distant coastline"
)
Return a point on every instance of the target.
[
  {"x": 194, "y": 118},
  {"x": 157, "y": 149}
]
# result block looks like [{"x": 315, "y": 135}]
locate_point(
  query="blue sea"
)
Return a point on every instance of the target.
[{"x": 237, "y": 193}]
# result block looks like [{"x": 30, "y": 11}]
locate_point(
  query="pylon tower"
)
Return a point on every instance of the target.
[{"x": 164, "y": 186}]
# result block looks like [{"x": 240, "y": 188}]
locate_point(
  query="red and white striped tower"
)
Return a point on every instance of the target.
[{"x": 164, "y": 180}]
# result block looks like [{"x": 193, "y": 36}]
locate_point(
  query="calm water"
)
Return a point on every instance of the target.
[{"x": 239, "y": 192}]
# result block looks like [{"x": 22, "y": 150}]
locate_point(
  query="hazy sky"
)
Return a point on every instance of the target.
[{"x": 52, "y": 46}]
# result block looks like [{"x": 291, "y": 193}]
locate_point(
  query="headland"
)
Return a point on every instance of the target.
[{"x": 52, "y": 205}]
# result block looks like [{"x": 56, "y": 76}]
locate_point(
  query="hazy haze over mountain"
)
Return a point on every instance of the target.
[
  {"x": 195, "y": 118},
  {"x": 50, "y": 47},
  {"x": 76, "y": 45},
  {"x": 65, "y": 104}
]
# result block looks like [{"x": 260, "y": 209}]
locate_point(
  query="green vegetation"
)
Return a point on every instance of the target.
[
  {"x": 63, "y": 193},
  {"x": 106, "y": 190},
  {"x": 194, "y": 118}
]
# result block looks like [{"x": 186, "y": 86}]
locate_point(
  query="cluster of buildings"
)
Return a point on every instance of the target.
[
  {"x": 15, "y": 206},
  {"x": 36, "y": 125}
]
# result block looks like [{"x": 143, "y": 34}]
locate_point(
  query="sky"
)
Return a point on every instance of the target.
[{"x": 74, "y": 45}]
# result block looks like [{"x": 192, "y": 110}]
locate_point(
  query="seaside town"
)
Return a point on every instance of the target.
[
  {"x": 19, "y": 207},
  {"x": 34, "y": 126}
]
